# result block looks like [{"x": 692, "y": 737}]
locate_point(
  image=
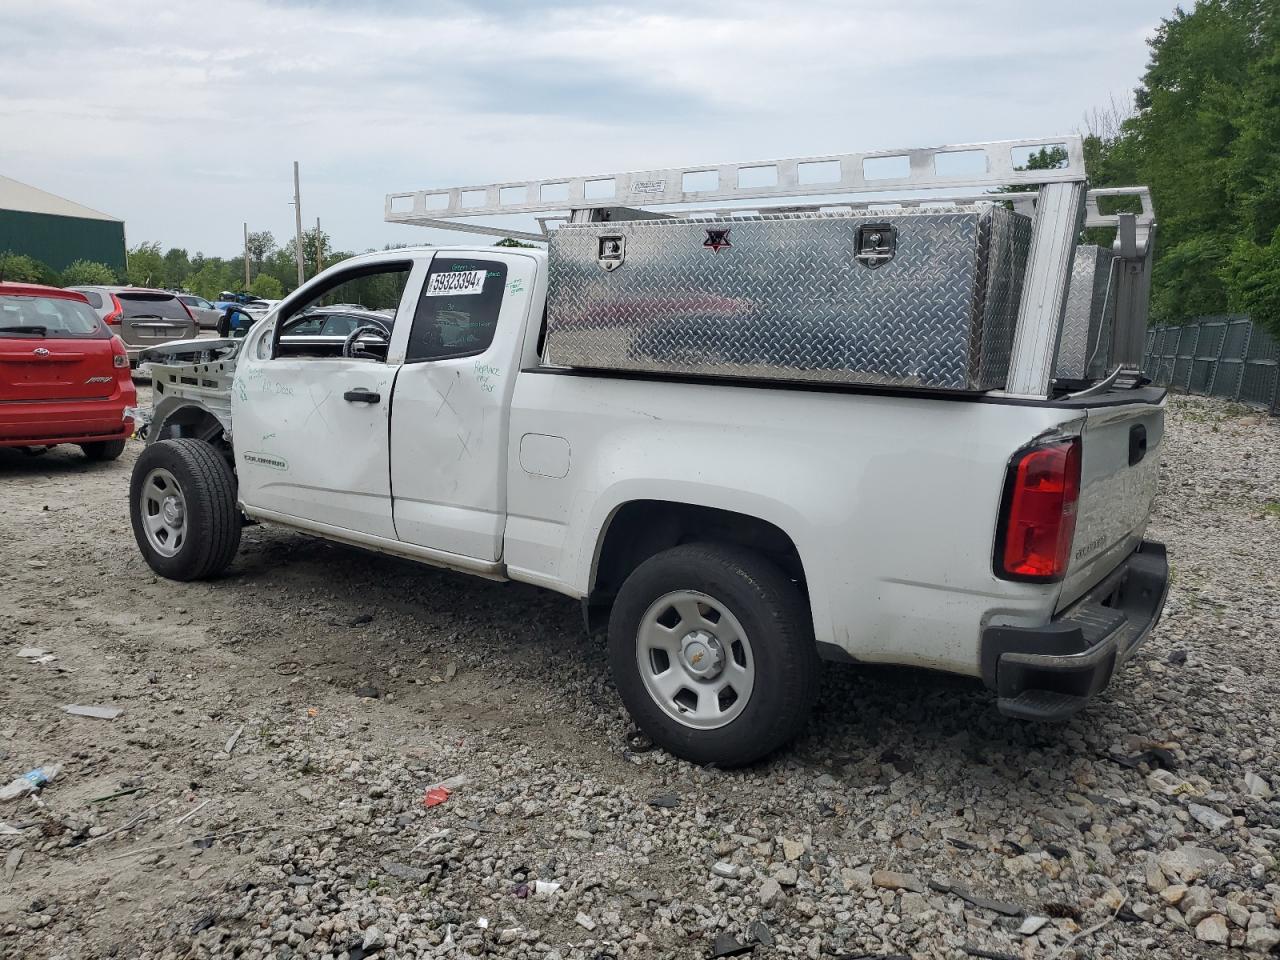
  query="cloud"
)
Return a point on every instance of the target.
[{"x": 185, "y": 118}]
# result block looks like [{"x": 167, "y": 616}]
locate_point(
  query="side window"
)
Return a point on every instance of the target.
[
  {"x": 94, "y": 298},
  {"x": 457, "y": 312},
  {"x": 362, "y": 297}
]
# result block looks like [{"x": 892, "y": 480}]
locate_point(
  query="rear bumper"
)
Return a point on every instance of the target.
[
  {"x": 76, "y": 421},
  {"x": 1051, "y": 672}
]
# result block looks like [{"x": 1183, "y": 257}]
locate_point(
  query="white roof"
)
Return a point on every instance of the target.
[{"x": 21, "y": 196}]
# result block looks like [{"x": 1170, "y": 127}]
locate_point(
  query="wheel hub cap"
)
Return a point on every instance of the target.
[
  {"x": 172, "y": 510},
  {"x": 702, "y": 654}
]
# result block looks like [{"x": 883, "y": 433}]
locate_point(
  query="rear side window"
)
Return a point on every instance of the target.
[
  {"x": 48, "y": 317},
  {"x": 457, "y": 312},
  {"x": 94, "y": 298},
  {"x": 158, "y": 305}
]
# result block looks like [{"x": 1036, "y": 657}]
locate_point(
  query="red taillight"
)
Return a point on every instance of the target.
[
  {"x": 117, "y": 312},
  {"x": 190, "y": 316},
  {"x": 1038, "y": 520},
  {"x": 119, "y": 355}
]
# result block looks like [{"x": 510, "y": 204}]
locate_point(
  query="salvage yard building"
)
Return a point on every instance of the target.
[{"x": 57, "y": 231}]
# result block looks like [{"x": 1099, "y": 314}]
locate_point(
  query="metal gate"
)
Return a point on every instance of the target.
[{"x": 1229, "y": 356}]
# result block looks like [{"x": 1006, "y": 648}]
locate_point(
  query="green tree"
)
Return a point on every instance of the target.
[
  {"x": 267, "y": 287},
  {"x": 19, "y": 268},
  {"x": 260, "y": 245},
  {"x": 1204, "y": 139},
  {"x": 214, "y": 276},
  {"x": 177, "y": 266},
  {"x": 82, "y": 273},
  {"x": 145, "y": 265},
  {"x": 512, "y": 242}
]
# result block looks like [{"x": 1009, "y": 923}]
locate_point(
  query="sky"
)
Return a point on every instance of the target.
[{"x": 184, "y": 118}]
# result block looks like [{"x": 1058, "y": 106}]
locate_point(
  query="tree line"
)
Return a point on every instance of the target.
[
  {"x": 273, "y": 269},
  {"x": 1203, "y": 131}
]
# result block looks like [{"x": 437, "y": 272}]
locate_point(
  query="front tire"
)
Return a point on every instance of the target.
[
  {"x": 712, "y": 651},
  {"x": 102, "y": 450},
  {"x": 182, "y": 502}
]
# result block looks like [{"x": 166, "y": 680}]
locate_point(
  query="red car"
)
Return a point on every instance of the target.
[{"x": 64, "y": 377}]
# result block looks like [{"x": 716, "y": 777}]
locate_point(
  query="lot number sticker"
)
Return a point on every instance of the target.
[{"x": 458, "y": 283}]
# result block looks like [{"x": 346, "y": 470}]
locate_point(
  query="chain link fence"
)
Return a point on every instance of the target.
[{"x": 1227, "y": 356}]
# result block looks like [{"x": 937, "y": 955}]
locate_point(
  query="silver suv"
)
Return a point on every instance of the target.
[{"x": 143, "y": 318}]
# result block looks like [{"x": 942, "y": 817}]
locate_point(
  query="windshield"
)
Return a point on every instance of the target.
[
  {"x": 47, "y": 317},
  {"x": 162, "y": 305}
]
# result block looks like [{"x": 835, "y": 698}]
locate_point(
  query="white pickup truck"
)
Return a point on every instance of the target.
[{"x": 731, "y": 532}]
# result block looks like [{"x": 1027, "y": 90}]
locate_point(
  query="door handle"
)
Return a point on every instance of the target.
[{"x": 361, "y": 395}]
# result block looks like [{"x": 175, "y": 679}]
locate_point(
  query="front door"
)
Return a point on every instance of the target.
[
  {"x": 453, "y": 402},
  {"x": 311, "y": 414}
]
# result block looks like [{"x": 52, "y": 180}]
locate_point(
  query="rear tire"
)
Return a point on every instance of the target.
[
  {"x": 182, "y": 502},
  {"x": 738, "y": 665},
  {"x": 102, "y": 449}
]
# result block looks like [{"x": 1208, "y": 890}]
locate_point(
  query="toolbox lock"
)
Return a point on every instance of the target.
[
  {"x": 612, "y": 252},
  {"x": 876, "y": 244}
]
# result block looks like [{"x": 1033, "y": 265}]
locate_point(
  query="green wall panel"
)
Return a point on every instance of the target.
[{"x": 58, "y": 241}]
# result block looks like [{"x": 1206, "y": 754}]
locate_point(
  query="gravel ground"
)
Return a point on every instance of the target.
[{"x": 282, "y": 726}]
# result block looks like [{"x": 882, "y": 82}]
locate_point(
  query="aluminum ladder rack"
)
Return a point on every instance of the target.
[{"x": 1056, "y": 197}]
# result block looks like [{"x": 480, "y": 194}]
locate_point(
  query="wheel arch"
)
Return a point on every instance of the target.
[
  {"x": 638, "y": 529},
  {"x": 178, "y": 417}
]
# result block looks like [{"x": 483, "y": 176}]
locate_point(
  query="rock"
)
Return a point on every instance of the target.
[
  {"x": 1145, "y": 911},
  {"x": 1255, "y": 786},
  {"x": 889, "y": 880},
  {"x": 1155, "y": 876},
  {"x": 1237, "y": 913},
  {"x": 854, "y": 881},
  {"x": 770, "y": 891},
  {"x": 1113, "y": 899},
  {"x": 584, "y": 921},
  {"x": 1189, "y": 863},
  {"x": 1213, "y": 929},
  {"x": 1173, "y": 893},
  {"x": 827, "y": 782},
  {"x": 1207, "y": 817},
  {"x": 1262, "y": 939},
  {"x": 912, "y": 905},
  {"x": 1032, "y": 925},
  {"x": 373, "y": 939},
  {"x": 726, "y": 870},
  {"x": 787, "y": 876},
  {"x": 792, "y": 849},
  {"x": 1196, "y": 904}
]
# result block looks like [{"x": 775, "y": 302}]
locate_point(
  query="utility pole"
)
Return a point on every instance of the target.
[
  {"x": 319, "y": 248},
  {"x": 246, "y": 256},
  {"x": 297, "y": 211}
]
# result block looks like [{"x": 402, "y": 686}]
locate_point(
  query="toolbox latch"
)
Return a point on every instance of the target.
[
  {"x": 612, "y": 252},
  {"x": 876, "y": 244}
]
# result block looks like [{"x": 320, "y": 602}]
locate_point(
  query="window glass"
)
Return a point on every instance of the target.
[
  {"x": 164, "y": 306},
  {"x": 94, "y": 298},
  {"x": 457, "y": 312},
  {"x": 46, "y": 317},
  {"x": 362, "y": 297}
]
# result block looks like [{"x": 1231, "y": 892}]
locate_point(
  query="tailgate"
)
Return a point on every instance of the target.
[
  {"x": 1119, "y": 474},
  {"x": 152, "y": 318},
  {"x": 70, "y": 369}
]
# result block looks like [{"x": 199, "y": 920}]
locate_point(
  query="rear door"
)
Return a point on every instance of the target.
[
  {"x": 452, "y": 405},
  {"x": 1119, "y": 475},
  {"x": 53, "y": 349},
  {"x": 154, "y": 317}
]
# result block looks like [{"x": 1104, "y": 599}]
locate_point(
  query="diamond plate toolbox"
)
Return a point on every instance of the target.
[
  {"x": 785, "y": 296},
  {"x": 1085, "y": 346}
]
